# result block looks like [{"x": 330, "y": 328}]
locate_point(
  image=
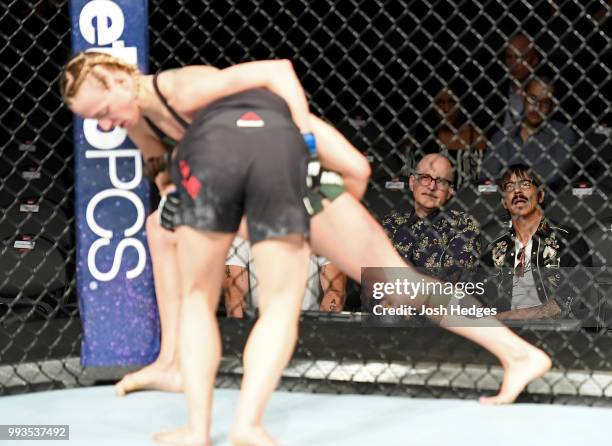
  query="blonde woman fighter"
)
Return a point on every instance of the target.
[{"x": 343, "y": 232}]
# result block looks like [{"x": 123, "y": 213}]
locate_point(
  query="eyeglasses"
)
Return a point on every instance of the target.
[
  {"x": 425, "y": 180},
  {"x": 545, "y": 103},
  {"x": 521, "y": 184}
]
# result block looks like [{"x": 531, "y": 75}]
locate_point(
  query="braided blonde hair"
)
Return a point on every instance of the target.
[{"x": 81, "y": 64}]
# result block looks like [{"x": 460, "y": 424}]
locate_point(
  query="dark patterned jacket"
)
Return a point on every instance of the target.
[
  {"x": 446, "y": 243},
  {"x": 554, "y": 252}
]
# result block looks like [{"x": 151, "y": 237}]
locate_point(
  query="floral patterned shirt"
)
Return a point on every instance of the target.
[{"x": 444, "y": 241}]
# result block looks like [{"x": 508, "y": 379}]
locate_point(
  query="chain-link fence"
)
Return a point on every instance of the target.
[
  {"x": 487, "y": 84},
  {"x": 38, "y": 307}
]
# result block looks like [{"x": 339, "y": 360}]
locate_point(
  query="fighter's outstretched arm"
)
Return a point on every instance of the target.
[{"x": 337, "y": 153}]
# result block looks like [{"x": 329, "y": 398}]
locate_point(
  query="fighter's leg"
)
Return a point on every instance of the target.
[
  {"x": 347, "y": 235},
  {"x": 282, "y": 271},
  {"x": 163, "y": 373},
  {"x": 201, "y": 267}
]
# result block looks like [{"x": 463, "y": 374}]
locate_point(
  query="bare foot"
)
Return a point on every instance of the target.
[
  {"x": 182, "y": 437},
  {"x": 251, "y": 436},
  {"x": 156, "y": 376},
  {"x": 519, "y": 372}
]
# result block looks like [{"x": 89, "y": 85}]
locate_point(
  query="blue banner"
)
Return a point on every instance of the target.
[{"x": 114, "y": 275}]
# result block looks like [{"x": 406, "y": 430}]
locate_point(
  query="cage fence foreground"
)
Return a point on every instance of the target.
[{"x": 399, "y": 79}]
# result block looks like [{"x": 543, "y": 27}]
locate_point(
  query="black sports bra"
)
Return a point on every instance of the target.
[
  {"x": 167, "y": 140},
  {"x": 255, "y": 98}
]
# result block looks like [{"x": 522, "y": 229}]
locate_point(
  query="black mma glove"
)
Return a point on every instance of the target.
[{"x": 168, "y": 207}]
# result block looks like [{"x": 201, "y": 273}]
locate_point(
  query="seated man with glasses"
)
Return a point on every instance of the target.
[
  {"x": 446, "y": 242},
  {"x": 532, "y": 261},
  {"x": 537, "y": 140}
]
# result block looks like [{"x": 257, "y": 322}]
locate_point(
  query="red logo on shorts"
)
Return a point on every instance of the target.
[
  {"x": 184, "y": 168},
  {"x": 250, "y": 119},
  {"x": 191, "y": 184}
]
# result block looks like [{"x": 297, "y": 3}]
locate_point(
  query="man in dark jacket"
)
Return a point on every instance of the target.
[
  {"x": 503, "y": 108},
  {"x": 538, "y": 140},
  {"x": 532, "y": 261}
]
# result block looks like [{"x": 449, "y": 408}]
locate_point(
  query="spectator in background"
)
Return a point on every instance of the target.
[
  {"x": 446, "y": 130},
  {"x": 236, "y": 282},
  {"x": 427, "y": 236},
  {"x": 529, "y": 259},
  {"x": 538, "y": 141},
  {"x": 500, "y": 88},
  {"x": 520, "y": 58},
  {"x": 458, "y": 140},
  {"x": 325, "y": 291}
]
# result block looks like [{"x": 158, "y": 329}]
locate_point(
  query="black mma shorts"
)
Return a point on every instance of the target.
[{"x": 243, "y": 156}]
